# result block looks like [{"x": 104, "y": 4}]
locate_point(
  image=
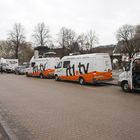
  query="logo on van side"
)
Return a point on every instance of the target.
[
  {"x": 40, "y": 68},
  {"x": 82, "y": 69}
]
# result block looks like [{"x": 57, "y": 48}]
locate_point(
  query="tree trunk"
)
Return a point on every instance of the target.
[{"x": 16, "y": 53}]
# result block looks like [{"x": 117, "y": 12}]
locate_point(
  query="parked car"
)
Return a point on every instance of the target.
[{"x": 9, "y": 64}]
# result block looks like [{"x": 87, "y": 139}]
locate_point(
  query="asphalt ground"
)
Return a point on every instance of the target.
[{"x": 43, "y": 109}]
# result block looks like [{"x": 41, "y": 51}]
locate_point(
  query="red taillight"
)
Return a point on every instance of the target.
[{"x": 94, "y": 73}]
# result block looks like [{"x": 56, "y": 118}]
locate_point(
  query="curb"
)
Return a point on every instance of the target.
[
  {"x": 6, "y": 131},
  {"x": 112, "y": 84}
]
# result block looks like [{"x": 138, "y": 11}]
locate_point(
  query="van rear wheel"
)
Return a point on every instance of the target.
[
  {"x": 81, "y": 81},
  {"x": 27, "y": 75},
  {"x": 125, "y": 86}
]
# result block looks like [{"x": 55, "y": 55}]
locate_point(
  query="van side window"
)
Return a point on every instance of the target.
[
  {"x": 66, "y": 64},
  {"x": 32, "y": 64},
  {"x": 127, "y": 66},
  {"x": 106, "y": 63},
  {"x": 59, "y": 65}
]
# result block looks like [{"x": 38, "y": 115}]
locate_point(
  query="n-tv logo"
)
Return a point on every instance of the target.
[{"x": 82, "y": 69}]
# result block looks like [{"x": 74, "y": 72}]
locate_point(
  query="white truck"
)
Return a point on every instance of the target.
[
  {"x": 86, "y": 68},
  {"x": 129, "y": 79},
  {"x": 42, "y": 67},
  {"x": 9, "y": 64}
]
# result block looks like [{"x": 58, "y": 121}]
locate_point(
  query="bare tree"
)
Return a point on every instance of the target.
[
  {"x": 137, "y": 34},
  {"x": 25, "y": 52},
  {"x": 126, "y": 32},
  {"x": 41, "y": 34},
  {"x": 137, "y": 38},
  {"x": 67, "y": 39},
  {"x": 62, "y": 37},
  {"x": 6, "y": 49},
  {"x": 82, "y": 41},
  {"x": 16, "y": 37},
  {"x": 87, "y": 41},
  {"x": 92, "y": 40},
  {"x": 126, "y": 36}
]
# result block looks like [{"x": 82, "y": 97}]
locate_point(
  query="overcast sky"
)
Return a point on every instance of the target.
[{"x": 103, "y": 16}]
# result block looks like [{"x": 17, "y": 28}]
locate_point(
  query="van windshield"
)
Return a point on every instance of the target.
[
  {"x": 136, "y": 65},
  {"x": 66, "y": 64},
  {"x": 136, "y": 73},
  {"x": 59, "y": 65},
  {"x": 127, "y": 66}
]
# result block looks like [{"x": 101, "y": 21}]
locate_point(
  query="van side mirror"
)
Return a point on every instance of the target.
[{"x": 126, "y": 68}]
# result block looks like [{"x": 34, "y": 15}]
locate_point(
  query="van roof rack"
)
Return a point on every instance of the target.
[
  {"x": 76, "y": 53},
  {"x": 49, "y": 54}
]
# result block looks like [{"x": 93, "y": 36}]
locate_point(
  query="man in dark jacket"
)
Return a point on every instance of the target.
[{"x": 136, "y": 72}]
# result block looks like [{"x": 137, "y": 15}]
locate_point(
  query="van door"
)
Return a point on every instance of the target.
[
  {"x": 129, "y": 75},
  {"x": 67, "y": 70},
  {"x": 59, "y": 69},
  {"x": 107, "y": 63}
]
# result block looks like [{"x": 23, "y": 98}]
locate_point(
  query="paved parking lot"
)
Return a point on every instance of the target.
[{"x": 42, "y": 109}]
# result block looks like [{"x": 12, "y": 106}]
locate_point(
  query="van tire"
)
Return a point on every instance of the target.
[
  {"x": 17, "y": 73},
  {"x": 125, "y": 86},
  {"x": 41, "y": 76},
  {"x": 57, "y": 78},
  {"x": 27, "y": 75},
  {"x": 81, "y": 81}
]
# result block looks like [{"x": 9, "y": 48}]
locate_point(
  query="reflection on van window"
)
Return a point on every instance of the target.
[
  {"x": 137, "y": 62},
  {"x": 59, "y": 65},
  {"x": 127, "y": 66},
  {"x": 66, "y": 64},
  {"x": 107, "y": 63},
  {"x": 32, "y": 64},
  {"x": 12, "y": 62},
  {"x": 136, "y": 65}
]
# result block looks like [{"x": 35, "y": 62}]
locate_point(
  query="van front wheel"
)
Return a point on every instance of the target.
[
  {"x": 57, "y": 78},
  {"x": 41, "y": 76},
  {"x": 125, "y": 86},
  {"x": 81, "y": 81}
]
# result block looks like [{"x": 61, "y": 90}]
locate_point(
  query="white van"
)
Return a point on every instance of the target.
[
  {"x": 42, "y": 67},
  {"x": 129, "y": 79},
  {"x": 86, "y": 68},
  {"x": 9, "y": 64}
]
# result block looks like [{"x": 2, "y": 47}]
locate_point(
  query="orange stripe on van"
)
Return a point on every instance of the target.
[
  {"x": 48, "y": 72},
  {"x": 36, "y": 73},
  {"x": 89, "y": 77}
]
